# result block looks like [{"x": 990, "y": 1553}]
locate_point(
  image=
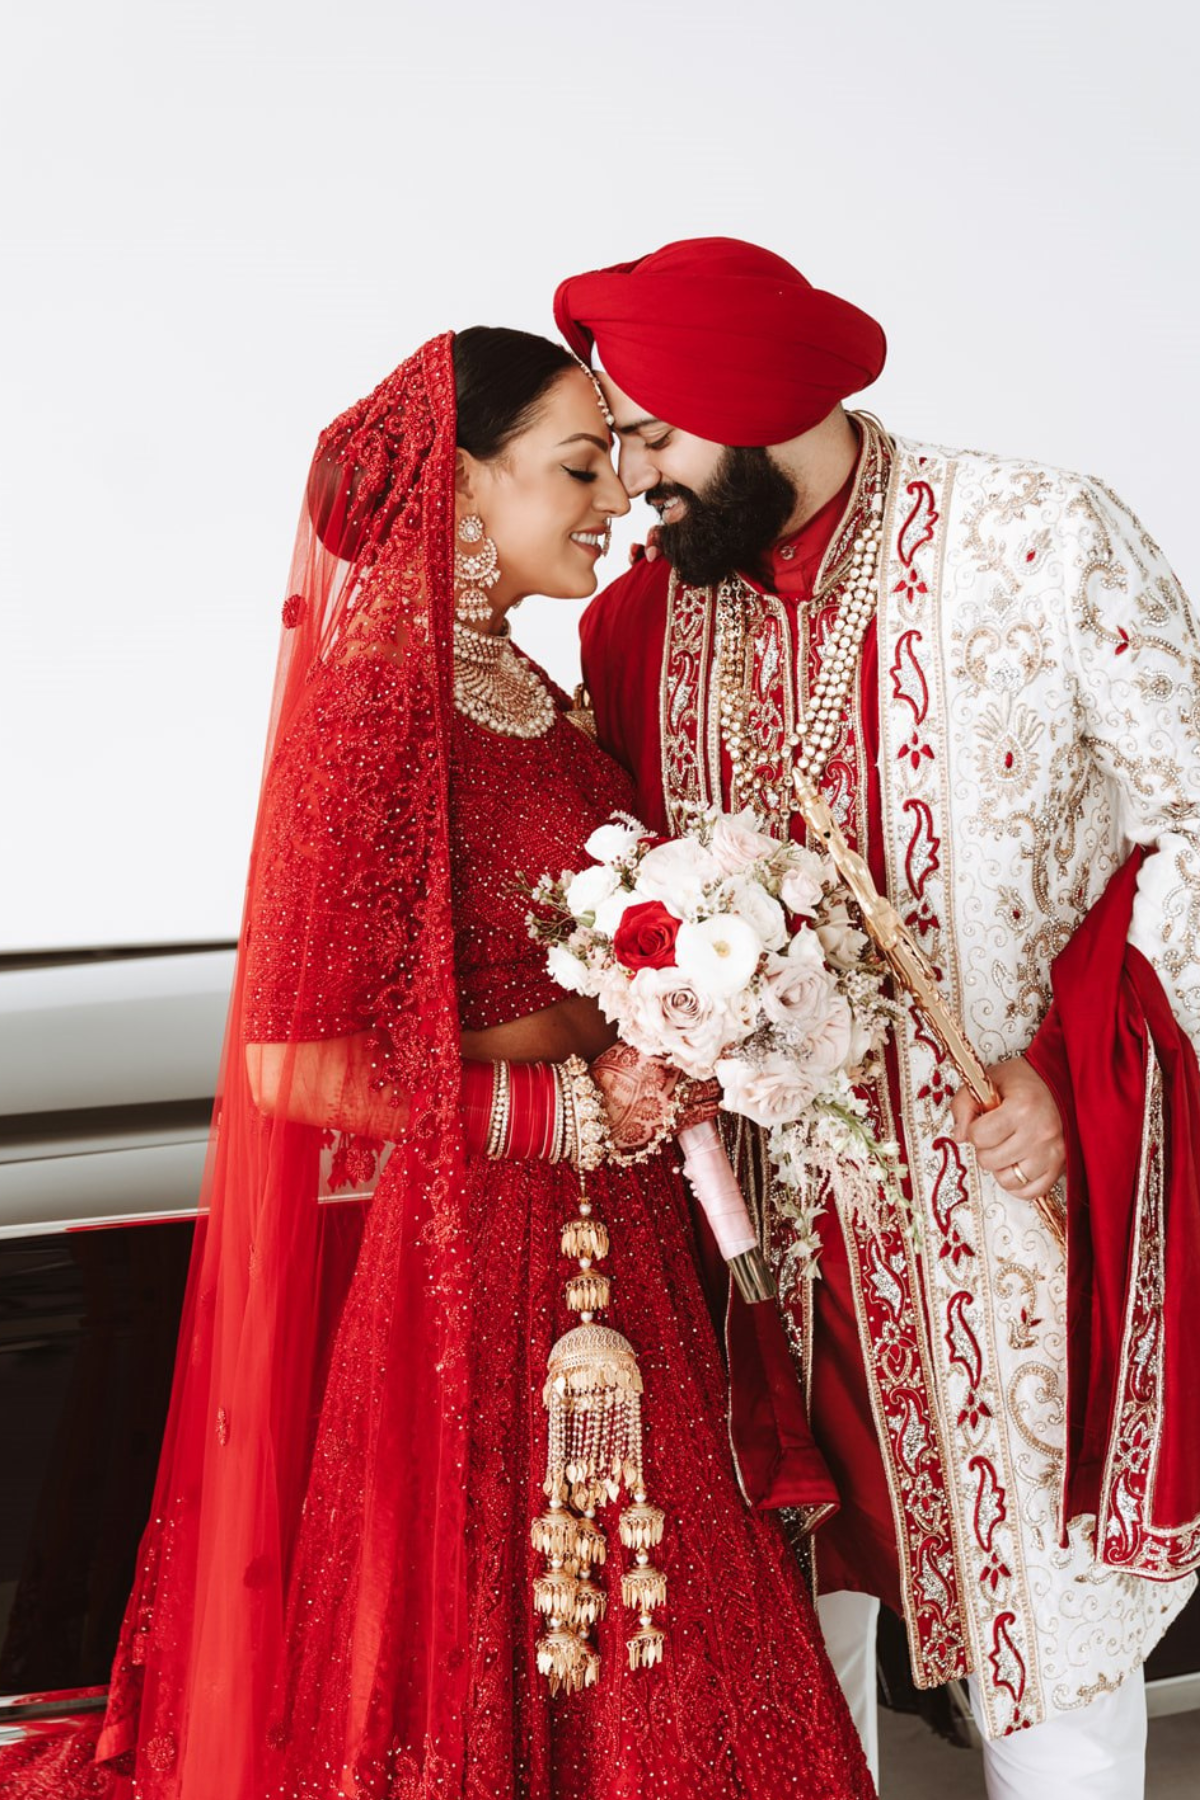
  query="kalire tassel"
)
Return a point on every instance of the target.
[{"x": 593, "y": 1396}]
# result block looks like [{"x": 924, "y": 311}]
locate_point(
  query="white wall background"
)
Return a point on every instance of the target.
[{"x": 219, "y": 223}]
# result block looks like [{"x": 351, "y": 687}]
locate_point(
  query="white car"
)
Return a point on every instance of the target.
[{"x": 108, "y": 1064}]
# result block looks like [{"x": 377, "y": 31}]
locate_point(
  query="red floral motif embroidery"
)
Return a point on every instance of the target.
[
  {"x": 917, "y": 529},
  {"x": 949, "y": 1193},
  {"x": 1008, "y": 1665},
  {"x": 910, "y": 686},
  {"x": 964, "y": 1349},
  {"x": 921, "y": 859}
]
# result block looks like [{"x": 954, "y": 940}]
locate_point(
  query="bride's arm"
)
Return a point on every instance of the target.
[
  {"x": 573, "y": 1026},
  {"x": 329, "y": 1083}
]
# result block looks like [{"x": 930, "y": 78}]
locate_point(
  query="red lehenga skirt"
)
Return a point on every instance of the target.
[{"x": 745, "y": 1702}]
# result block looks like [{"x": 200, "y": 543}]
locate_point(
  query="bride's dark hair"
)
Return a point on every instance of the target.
[{"x": 500, "y": 379}]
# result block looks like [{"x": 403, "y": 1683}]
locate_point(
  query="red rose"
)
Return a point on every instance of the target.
[{"x": 645, "y": 938}]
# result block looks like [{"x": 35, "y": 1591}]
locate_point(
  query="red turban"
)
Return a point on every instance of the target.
[{"x": 722, "y": 339}]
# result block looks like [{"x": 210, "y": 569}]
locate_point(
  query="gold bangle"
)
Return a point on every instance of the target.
[{"x": 592, "y": 1138}]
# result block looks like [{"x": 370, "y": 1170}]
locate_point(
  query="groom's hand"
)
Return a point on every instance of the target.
[
  {"x": 650, "y": 549},
  {"x": 1022, "y": 1137}
]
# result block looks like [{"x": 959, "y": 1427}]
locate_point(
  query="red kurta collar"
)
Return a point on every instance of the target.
[{"x": 794, "y": 563}]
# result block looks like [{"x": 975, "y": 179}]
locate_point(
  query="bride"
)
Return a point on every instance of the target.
[{"x": 371, "y": 1567}]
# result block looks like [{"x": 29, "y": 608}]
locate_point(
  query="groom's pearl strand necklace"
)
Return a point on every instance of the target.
[{"x": 820, "y": 729}]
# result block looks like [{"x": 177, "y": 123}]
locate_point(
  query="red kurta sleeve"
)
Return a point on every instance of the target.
[{"x": 622, "y": 635}]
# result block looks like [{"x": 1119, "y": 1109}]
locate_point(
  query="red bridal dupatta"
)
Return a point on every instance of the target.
[
  {"x": 297, "y": 1626},
  {"x": 1126, "y": 1079}
]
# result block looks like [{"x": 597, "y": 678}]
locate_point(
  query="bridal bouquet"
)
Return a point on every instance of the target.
[{"x": 734, "y": 956}]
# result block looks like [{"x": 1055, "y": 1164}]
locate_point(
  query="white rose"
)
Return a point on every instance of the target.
[
  {"x": 609, "y": 842},
  {"x": 718, "y": 956},
  {"x": 801, "y": 888},
  {"x": 841, "y": 942},
  {"x": 804, "y": 946},
  {"x": 736, "y": 842},
  {"x": 862, "y": 1042},
  {"x": 761, "y": 912},
  {"x": 566, "y": 969},
  {"x": 677, "y": 873},
  {"x": 771, "y": 1092},
  {"x": 589, "y": 888},
  {"x": 799, "y": 990},
  {"x": 614, "y": 992},
  {"x": 826, "y": 1049},
  {"x": 610, "y": 912},
  {"x": 670, "y": 1017}
]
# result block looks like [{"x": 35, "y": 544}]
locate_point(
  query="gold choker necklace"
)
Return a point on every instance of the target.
[{"x": 497, "y": 688}]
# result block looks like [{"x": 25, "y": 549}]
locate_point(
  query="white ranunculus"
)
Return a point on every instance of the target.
[
  {"x": 841, "y": 941},
  {"x": 669, "y": 1016},
  {"x": 589, "y": 888},
  {"x": 719, "y": 955},
  {"x": 610, "y": 912},
  {"x": 566, "y": 969},
  {"x": 608, "y": 842},
  {"x": 736, "y": 842},
  {"x": 677, "y": 873},
  {"x": 764, "y": 914},
  {"x": 771, "y": 1091}
]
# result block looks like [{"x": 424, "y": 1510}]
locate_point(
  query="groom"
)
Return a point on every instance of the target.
[{"x": 991, "y": 671}]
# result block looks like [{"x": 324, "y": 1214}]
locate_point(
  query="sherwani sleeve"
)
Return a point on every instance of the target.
[{"x": 1134, "y": 649}]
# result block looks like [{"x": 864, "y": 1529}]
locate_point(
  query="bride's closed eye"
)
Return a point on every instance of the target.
[{"x": 579, "y": 474}]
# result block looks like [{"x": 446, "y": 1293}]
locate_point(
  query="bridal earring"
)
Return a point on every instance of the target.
[{"x": 474, "y": 572}]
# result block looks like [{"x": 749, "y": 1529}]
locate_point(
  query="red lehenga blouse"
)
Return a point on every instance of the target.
[{"x": 348, "y": 1609}]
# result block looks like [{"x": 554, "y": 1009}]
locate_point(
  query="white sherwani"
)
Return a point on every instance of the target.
[
  {"x": 1034, "y": 638},
  {"x": 1039, "y": 707}
]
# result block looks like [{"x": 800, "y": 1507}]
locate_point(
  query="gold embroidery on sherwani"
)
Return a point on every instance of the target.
[
  {"x": 1126, "y": 1498},
  {"x": 1052, "y": 565},
  {"x": 921, "y": 878},
  {"x": 774, "y": 685}
]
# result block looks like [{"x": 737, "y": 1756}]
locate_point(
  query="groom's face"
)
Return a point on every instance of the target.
[{"x": 719, "y": 508}]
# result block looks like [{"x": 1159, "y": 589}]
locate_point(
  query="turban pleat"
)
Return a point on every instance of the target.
[{"x": 723, "y": 339}]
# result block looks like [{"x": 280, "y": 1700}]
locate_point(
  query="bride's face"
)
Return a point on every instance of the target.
[{"x": 547, "y": 501}]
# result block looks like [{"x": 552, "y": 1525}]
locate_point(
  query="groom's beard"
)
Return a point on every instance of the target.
[{"x": 733, "y": 523}]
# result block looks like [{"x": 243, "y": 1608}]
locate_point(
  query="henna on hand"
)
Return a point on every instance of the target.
[{"x": 640, "y": 1096}]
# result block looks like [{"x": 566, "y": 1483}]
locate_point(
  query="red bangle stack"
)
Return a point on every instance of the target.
[
  {"x": 533, "y": 1097},
  {"x": 478, "y": 1096},
  {"x": 532, "y": 1110}
]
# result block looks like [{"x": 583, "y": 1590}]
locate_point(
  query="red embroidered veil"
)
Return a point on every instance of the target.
[{"x": 300, "y": 1596}]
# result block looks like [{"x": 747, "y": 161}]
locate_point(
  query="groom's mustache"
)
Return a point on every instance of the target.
[{"x": 666, "y": 491}]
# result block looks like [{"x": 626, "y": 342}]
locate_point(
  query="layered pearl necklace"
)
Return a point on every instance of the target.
[
  {"x": 808, "y": 746},
  {"x": 496, "y": 688}
]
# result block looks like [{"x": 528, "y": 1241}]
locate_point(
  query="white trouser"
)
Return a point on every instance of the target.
[
  {"x": 848, "y": 1624},
  {"x": 1097, "y": 1753}
]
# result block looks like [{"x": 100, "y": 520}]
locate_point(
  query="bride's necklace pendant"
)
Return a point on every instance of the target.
[{"x": 496, "y": 688}]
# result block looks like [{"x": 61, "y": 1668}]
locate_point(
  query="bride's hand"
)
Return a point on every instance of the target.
[{"x": 644, "y": 1097}]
